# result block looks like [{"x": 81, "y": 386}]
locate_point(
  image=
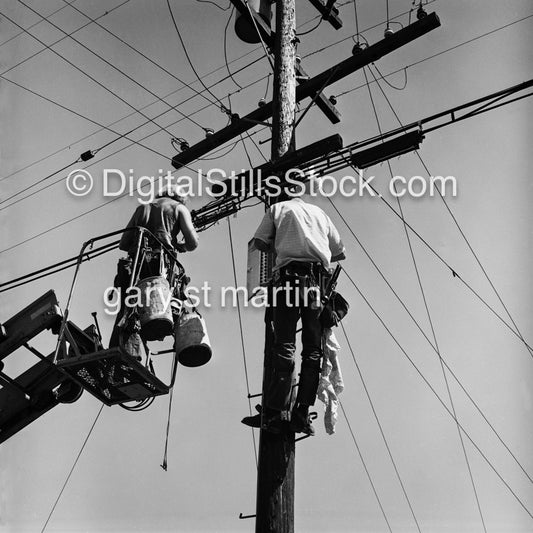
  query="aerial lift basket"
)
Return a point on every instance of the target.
[{"x": 113, "y": 376}]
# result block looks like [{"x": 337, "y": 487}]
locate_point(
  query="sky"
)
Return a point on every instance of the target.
[{"x": 117, "y": 484}]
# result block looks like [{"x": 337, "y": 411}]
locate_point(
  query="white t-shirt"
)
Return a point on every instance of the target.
[{"x": 299, "y": 232}]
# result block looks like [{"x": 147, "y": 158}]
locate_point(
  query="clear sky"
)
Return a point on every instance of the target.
[{"x": 118, "y": 485}]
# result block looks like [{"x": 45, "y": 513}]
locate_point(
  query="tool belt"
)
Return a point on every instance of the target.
[{"x": 309, "y": 274}]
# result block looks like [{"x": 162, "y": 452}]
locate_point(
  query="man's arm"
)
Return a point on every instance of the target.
[
  {"x": 265, "y": 234},
  {"x": 186, "y": 227},
  {"x": 128, "y": 239},
  {"x": 263, "y": 246},
  {"x": 335, "y": 244},
  {"x": 338, "y": 257}
]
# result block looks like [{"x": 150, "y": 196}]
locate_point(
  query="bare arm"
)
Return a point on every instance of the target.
[
  {"x": 128, "y": 239},
  {"x": 186, "y": 227}
]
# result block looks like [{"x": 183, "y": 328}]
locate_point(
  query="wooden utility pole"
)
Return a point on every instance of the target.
[{"x": 275, "y": 476}]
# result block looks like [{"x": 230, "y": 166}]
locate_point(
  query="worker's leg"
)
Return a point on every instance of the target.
[
  {"x": 311, "y": 357},
  {"x": 286, "y": 313}
]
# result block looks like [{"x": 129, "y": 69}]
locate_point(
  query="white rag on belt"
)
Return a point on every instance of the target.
[{"x": 331, "y": 384}]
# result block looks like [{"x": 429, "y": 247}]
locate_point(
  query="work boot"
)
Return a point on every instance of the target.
[
  {"x": 271, "y": 421},
  {"x": 255, "y": 420},
  {"x": 301, "y": 422}
]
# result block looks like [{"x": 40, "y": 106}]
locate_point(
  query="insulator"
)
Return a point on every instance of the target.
[
  {"x": 357, "y": 48},
  {"x": 209, "y": 132},
  {"x": 184, "y": 145},
  {"x": 86, "y": 155},
  {"x": 333, "y": 100},
  {"x": 420, "y": 13},
  {"x": 388, "y": 32},
  {"x": 262, "y": 102}
]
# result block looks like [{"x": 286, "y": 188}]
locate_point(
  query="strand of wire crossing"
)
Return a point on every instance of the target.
[
  {"x": 337, "y": 96},
  {"x": 440, "y": 400},
  {"x": 421, "y": 330},
  {"x": 241, "y": 332},
  {"x": 462, "y": 233},
  {"x": 358, "y": 87},
  {"x": 179, "y": 89},
  {"x": 426, "y": 306}
]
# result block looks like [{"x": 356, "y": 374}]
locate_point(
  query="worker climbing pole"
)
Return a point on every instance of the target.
[{"x": 275, "y": 479}]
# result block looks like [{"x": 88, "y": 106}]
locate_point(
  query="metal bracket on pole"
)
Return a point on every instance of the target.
[
  {"x": 268, "y": 37},
  {"x": 309, "y": 88},
  {"x": 329, "y": 12}
]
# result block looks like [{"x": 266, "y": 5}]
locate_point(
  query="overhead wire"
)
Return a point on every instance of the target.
[
  {"x": 265, "y": 49},
  {"x": 222, "y": 106},
  {"x": 64, "y": 223},
  {"x": 426, "y": 306},
  {"x": 145, "y": 106},
  {"x": 215, "y": 4},
  {"x": 463, "y": 235},
  {"x": 432, "y": 56},
  {"x": 25, "y": 31},
  {"x": 344, "y": 39},
  {"x": 380, "y": 426},
  {"x": 142, "y": 108},
  {"x": 226, "y": 50},
  {"x": 64, "y": 264},
  {"x": 150, "y": 103},
  {"x": 241, "y": 331},
  {"x": 67, "y": 3},
  {"x": 367, "y": 471},
  {"x": 143, "y": 55},
  {"x": 113, "y": 66},
  {"x": 83, "y": 72},
  {"x": 441, "y": 401},
  {"x": 311, "y": 30},
  {"x": 120, "y": 136},
  {"x": 428, "y": 340},
  {"x": 72, "y": 469}
]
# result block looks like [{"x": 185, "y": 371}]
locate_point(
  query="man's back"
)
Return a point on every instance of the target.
[
  {"x": 299, "y": 231},
  {"x": 165, "y": 218}
]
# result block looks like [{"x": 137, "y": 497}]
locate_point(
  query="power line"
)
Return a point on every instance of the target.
[
  {"x": 129, "y": 115},
  {"x": 452, "y": 404},
  {"x": 241, "y": 335},
  {"x": 33, "y": 237},
  {"x": 324, "y": 48},
  {"x": 82, "y": 71},
  {"x": 226, "y": 50},
  {"x": 365, "y": 467},
  {"x": 461, "y": 231},
  {"x": 57, "y": 267},
  {"x": 143, "y": 107},
  {"x": 376, "y": 314},
  {"x": 112, "y": 66},
  {"x": 367, "y": 392},
  {"x": 120, "y": 136},
  {"x": 441, "y": 259},
  {"x": 419, "y": 327},
  {"x": 72, "y": 469},
  {"x": 38, "y": 22},
  {"x": 437, "y": 54},
  {"x": 25, "y": 31},
  {"x": 222, "y": 106},
  {"x": 155, "y": 63}
]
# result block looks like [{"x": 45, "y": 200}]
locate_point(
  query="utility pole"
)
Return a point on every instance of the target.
[{"x": 275, "y": 475}]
